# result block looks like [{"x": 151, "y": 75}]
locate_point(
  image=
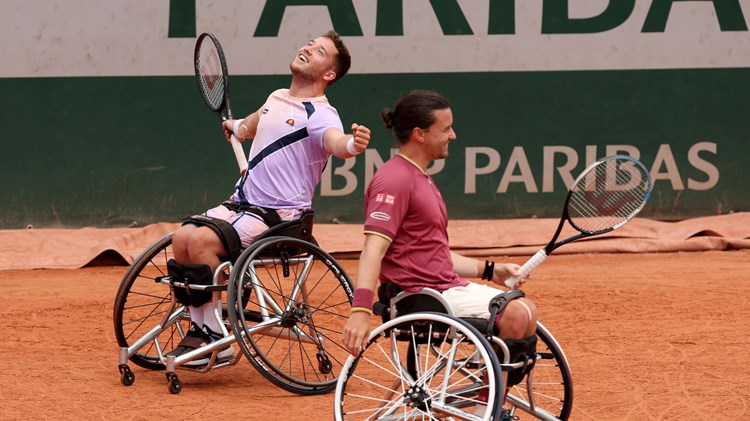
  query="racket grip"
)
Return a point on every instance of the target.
[
  {"x": 526, "y": 269},
  {"x": 239, "y": 153}
]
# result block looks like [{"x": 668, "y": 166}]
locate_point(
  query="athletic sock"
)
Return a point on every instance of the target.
[
  {"x": 196, "y": 315},
  {"x": 209, "y": 318}
]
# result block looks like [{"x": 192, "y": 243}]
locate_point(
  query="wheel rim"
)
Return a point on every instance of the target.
[{"x": 305, "y": 314}]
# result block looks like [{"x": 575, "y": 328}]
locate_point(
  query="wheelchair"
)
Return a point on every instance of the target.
[
  {"x": 425, "y": 363},
  {"x": 287, "y": 302}
]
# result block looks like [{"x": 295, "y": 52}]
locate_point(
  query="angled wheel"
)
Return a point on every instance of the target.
[
  {"x": 288, "y": 302},
  {"x": 547, "y": 393},
  {"x": 424, "y": 366},
  {"x": 141, "y": 304}
]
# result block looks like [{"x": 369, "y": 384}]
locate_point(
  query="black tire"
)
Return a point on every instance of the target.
[
  {"x": 174, "y": 384},
  {"x": 141, "y": 303},
  {"x": 318, "y": 312},
  {"x": 127, "y": 378},
  {"x": 380, "y": 383},
  {"x": 552, "y": 383}
]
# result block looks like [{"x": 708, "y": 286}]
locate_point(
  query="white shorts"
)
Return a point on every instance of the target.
[
  {"x": 473, "y": 300},
  {"x": 249, "y": 225}
]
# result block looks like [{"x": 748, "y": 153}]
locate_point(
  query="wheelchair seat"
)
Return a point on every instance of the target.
[
  {"x": 300, "y": 228},
  {"x": 393, "y": 302}
]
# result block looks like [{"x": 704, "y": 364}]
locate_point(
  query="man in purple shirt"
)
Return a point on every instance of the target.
[{"x": 294, "y": 133}]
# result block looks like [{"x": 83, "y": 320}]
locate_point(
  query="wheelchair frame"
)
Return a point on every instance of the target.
[
  {"x": 447, "y": 384},
  {"x": 277, "y": 288}
]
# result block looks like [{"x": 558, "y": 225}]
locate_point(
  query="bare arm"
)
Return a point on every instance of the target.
[
  {"x": 339, "y": 144},
  {"x": 357, "y": 328},
  {"x": 467, "y": 267},
  {"x": 247, "y": 127}
]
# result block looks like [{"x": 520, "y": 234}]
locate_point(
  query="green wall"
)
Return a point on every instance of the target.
[{"x": 107, "y": 151}]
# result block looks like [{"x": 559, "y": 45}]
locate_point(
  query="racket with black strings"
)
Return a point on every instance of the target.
[
  {"x": 213, "y": 82},
  {"x": 608, "y": 194}
]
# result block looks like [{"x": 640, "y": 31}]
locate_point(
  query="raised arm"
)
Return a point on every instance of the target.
[{"x": 344, "y": 145}]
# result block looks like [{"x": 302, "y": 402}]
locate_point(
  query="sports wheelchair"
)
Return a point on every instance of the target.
[
  {"x": 424, "y": 363},
  {"x": 287, "y": 301}
]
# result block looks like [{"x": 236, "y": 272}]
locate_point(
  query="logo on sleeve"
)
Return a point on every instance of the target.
[
  {"x": 388, "y": 199},
  {"x": 382, "y": 216}
]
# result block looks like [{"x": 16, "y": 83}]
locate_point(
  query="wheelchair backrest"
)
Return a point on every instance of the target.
[{"x": 299, "y": 228}]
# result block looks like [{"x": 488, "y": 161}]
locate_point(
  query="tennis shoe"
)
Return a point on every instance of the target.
[
  {"x": 196, "y": 338},
  {"x": 210, "y": 336},
  {"x": 192, "y": 340}
]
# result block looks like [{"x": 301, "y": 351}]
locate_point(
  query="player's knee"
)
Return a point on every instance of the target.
[
  {"x": 181, "y": 236},
  {"x": 518, "y": 319},
  {"x": 203, "y": 240},
  {"x": 212, "y": 238},
  {"x": 530, "y": 308}
]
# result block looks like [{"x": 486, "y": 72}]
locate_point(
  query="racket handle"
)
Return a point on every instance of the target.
[
  {"x": 239, "y": 153},
  {"x": 526, "y": 269}
]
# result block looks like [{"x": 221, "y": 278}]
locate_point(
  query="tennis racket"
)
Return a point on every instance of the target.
[
  {"x": 213, "y": 83},
  {"x": 608, "y": 194}
]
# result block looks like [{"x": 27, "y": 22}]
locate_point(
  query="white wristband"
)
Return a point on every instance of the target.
[
  {"x": 236, "y": 127},
  {"x": 350, "y": 147}
]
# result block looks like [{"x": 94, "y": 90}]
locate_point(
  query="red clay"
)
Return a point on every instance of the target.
[{"x": 658, "y": 336}]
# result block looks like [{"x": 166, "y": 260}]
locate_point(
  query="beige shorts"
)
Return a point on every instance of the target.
[{"x": 473, "y": 300}]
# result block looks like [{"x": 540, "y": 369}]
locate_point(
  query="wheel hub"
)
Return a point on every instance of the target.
[
  {"x": 416, "y": 396},
  {"x": 298, "y": 314}
]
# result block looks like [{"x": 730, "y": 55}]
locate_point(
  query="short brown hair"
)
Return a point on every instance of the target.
[{"x": 342, "y": 61}]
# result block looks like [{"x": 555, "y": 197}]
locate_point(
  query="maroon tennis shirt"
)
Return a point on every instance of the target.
[{"x": 403, "y": 204}]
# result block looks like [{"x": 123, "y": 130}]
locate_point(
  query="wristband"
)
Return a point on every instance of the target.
[
  {"x": 236, "y": 127},
  {"x": 361, "y": 310},
  {"x": 363, "y": 298},
  {"x": 350, "y": 147},
  {"x": 489, "y": 270}
]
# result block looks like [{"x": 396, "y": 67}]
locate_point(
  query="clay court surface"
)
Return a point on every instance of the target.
[{"x": 649, "y": 336}]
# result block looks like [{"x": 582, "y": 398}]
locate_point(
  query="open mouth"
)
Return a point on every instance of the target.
[{"x": 302, "y": 58}]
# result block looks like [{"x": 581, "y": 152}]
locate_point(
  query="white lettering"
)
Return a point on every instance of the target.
[
  {"x": 350, "y": 180},
  {"x": 701, "y": 164},
  {"x": 664, "y": 157},
  {"x": 565, "y": 170},
  {"x": 559, "y": 163},
  {"x": 518, "y": 159},
  {"x": 471, "y": 171}
]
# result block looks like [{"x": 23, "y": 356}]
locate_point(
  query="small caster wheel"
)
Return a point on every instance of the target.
[
  {"x": 127, "y": 377},
  {"x": 324, "y": 364},
  {"x": 174, "y": 384}
]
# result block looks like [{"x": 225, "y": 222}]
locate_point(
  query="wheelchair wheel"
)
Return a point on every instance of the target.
[
  {"x": 451, "y": 363},
  {"x": 549, "y": 385},
  {"x": 141, "y": 304},
  {"x": 288, "y": 302}
]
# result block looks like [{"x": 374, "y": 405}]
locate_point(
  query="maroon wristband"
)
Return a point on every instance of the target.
[{"x": 363, "y": 297}]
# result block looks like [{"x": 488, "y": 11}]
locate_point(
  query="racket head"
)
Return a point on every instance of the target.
[
  {"x": 211, "y": 72},
  {"x": 608, "y": 194}
]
